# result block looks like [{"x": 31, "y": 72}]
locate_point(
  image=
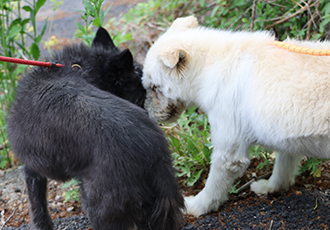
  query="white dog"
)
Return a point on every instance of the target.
[{"x": 252, "y": 92}]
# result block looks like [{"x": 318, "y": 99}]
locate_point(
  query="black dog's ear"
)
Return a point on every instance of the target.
[
  {"x": 103, "y": 39},
  {"x": 124, "y": 60}
]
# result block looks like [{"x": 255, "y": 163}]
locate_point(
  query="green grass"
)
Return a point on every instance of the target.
[{"x": 191, "y": 145}]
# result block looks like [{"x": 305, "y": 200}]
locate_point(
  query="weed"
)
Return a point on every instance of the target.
[
  {"x": 266, "y": 157},
  {"x": 234, "y": 189},
  {"x": 14, "y": 31},
  {"x": 94, "y": 10},
  {"x": 191, "y": 144},
  {"x": 73, "y": 190},
  {"x": 312, "y": 165}
]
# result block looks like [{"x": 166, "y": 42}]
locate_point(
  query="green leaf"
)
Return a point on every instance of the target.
[
  {"x": 89, "y": 8},
  {"x": 326, "y": 9},
  {"x": 33, "y": 18},
  {"x": 25, "y": 21},
  {"x": 88, "y": 38},
  {"x": 194, "y": 178},
  {"x": 214, "y": 11},
  {"x": 175, "y": 143},
  {"x": 238, "y": 3},
  {"x": 34, "y": 50},
  {"x": 40, "y": 3},
  {"x": 97, "y": 22},
  {"x": 317, "y": 172},
  {"x": 261, "y": 165},
  {"x": 38, "y": 39},
  {"x": 202, "y": 3},
  {"x": 234, "y": 189},
  {"x": 15, "y": 28},
  {"x": 20, "y": 69},
  {"x": 3, "y": 161},
  {"x": 192, "y": 146},
  {"x": 107, "y": 11},
  {"x": 207, "y": 153},
  {"x": 324, "y": 23},
  {"x": 27, "y": 8},
  {"x": 55, "y": 4},
  {"x": 70, "y": 183},
  {"x": 81, "y": 28}
]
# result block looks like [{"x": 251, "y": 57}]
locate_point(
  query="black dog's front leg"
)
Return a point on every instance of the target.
[{"x": 37, "y": 193}]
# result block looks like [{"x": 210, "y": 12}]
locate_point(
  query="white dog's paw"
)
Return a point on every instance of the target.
[
  {"x": 195, "y": 206},
  {"x": 274, "y": 184},
  {"x": 200, "y": 205},
  {"x": 260, "y": 187}
]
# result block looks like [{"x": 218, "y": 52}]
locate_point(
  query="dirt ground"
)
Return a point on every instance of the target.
[{"x": 305, "y": 206}]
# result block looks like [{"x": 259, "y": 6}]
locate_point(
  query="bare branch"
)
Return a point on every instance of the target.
[
  {"x": 8, "y": 219},
  {"x": 308, "y": 6},
  {"x": 246, "y": 185},
  {"x": 253, "y": 13}
]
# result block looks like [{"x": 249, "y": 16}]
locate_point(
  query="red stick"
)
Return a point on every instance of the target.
[{"x": 28, "y": 62}]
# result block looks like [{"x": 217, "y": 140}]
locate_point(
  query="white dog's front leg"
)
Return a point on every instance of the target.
[
  {"x": 285, "y": 169},
  {"x": 223, "y": 171}
]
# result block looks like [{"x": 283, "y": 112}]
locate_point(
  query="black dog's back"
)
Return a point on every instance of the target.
[{"x": 61, "y": 127}]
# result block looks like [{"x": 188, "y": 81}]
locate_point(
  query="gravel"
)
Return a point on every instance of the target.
[
  {"x": 310, "y": 210},
  {"x": 295, "y": 210}
]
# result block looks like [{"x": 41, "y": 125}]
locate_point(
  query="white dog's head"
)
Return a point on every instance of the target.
[{"x": 168, "y": 70}]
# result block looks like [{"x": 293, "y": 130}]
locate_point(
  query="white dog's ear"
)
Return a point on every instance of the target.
[
  {"x": 173, "y": 58},
  {"x": 182, "y": 24}
]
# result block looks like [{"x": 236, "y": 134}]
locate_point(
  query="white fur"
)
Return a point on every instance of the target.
[{"x": 252, "y": 92}]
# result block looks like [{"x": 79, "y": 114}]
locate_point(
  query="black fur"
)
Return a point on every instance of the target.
[
  {"x": 61, "y": 126},
  {"x": 106, "y": 67}
]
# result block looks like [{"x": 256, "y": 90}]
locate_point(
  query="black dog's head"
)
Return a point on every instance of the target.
[{"x": 106, "y": 67}]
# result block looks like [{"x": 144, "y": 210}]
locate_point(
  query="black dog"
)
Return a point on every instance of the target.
[
  {"x": 61, "y": 126},
  {"x": 106, "y": 67}
]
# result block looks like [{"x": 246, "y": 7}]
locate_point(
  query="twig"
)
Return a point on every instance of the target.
[
  {"x": 293, "y": 15},
  {"x": 271, "y": 225},
  {"x": 311, "y": 20},
  {"x": 68, "y": 225},
  {"x": 168, "y": 127},
  {"x": 316, "y": 205},
  {"x": 210, "y": 6},
  {"x": 253, "y": 13},
  {"x": 155, "y": 27},
  {"x": 8, "y": 219},
  {"x": 239, "y": 18},
  {"x": 246, "y": 185},
  {"x": 297, "y": 3}
]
